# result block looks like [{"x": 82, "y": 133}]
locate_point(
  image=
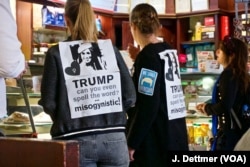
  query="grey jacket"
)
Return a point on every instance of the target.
[{"x": 54, "y": 101}]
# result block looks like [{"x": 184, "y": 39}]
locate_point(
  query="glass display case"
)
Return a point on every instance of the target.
[
  {"x": 17, "y": 121},
  {"x": 197, "y": 88}
]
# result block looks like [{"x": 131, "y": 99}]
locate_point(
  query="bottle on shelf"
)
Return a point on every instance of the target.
[
  {"x": 198, "y": 31},
  {"x": 190, "y": 130},
  {"x": 205, "y": 133},
  {"x": 197, "y": 134},
  {"x": 224, "y": 26}
]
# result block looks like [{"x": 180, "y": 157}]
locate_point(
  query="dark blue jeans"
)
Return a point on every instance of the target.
[{"x": 104, "y": 150}]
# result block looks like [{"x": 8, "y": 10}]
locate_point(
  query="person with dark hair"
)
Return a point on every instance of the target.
[
  {"x": 92, "y": 56},
  {"x": 228, "y": 94},
  {"x": 82, "y": 103},
  {"x": 152, "y": 129}
]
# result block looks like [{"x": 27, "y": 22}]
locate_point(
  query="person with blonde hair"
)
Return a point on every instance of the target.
[{"x": 82, "y": 103}]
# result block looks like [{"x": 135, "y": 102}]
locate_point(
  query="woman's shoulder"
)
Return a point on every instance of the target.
[
  {"x": 227, "y": 72},
  {"x": 154, "y": 49},
  {"x": 159, "y": 45},
  {"x": 53, "y": 50},
  {"x": 227, "y": 75}
]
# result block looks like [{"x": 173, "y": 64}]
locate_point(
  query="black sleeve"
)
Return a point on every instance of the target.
[
  {"x": 227, "y": 91},
  {"x": 147, "y": 107},
  {"x": 49, "y": 82}
]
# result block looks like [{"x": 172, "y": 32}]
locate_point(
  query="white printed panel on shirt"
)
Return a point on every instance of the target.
[
  {"x": 174, "y": 93},
  {"x": 92, "y": 77}
]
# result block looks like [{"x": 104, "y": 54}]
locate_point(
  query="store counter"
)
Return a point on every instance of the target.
[{"x": 31, "y": 152}]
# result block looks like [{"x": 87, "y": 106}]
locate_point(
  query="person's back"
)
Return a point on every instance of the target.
[
  {"x": 153, "y": 129},
  {"x": 87, "y": 105}
]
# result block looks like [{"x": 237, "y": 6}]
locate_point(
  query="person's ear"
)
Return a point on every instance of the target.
[{"x": 132, "y": 26}]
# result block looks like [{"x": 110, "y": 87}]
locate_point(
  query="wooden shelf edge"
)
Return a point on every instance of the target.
[
  {"x": 198, "y": 42},
  {"x": 200, "y": 73},
  {"x": 44, "y": 2},
  {"x": 52, "y": 27},
  {"x": 170, "y": 15}
]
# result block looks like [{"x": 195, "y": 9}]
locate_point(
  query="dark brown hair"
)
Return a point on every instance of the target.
[{"x": 238, "y": 50}]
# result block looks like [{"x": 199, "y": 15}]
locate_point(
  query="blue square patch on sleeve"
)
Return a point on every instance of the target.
[{"x": 147, "y": 81}]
